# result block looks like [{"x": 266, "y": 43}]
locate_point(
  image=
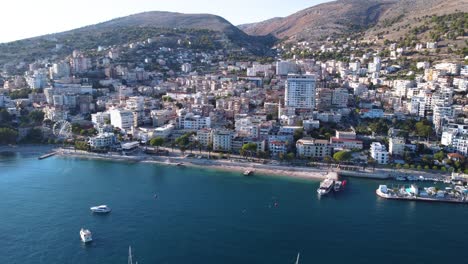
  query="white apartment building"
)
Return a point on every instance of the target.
[
  {"x": 441, "y": 116},
  {"x": 222, "y": 140},
  {"x": 311, "y": 124},
  {"x": 204, "y": 136},
  {"x": 300, "y": 92},
  {"x": 102, "y": 140},
  {"x": 460, "y": 144},
  {"x": 164, "y": 131},
  {"x": 100, "y": 118},
  {"x": 122, "y": 119},
  {"x": 379, "y": 153},
  {"x": 277, "y": 147},
  {"x": 340, "y": 98},
  {"x": 396, "y": 146},
  {"x": 285, "y": 67},
  {"x": 313, "y": 148},
  {"x": 194, "y": 122}
]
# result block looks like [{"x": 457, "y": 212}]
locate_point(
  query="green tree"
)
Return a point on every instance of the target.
[
  {"x": 157, "y": 142},
  {"x": 439, "y": 156},
  {"x": 5, "y": 117},
  {"x": 8, "y": 135},
  {"x": 34, "y": 136},
  {"x": 81, "y": 145},
  {"x": 298, "y": 134},
  {"x": 341, "y": 156},
  {"x": 423, "y": 129},
  {"x": 36, "y": 116}
]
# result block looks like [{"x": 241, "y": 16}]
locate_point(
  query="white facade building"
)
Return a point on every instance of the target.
[
  {"x": 313, "y": 148},
  {"x": 396, "y": 146},
  {"x": 379, "y": 153},
  {"x": 222, "y": 140},
  {"x": 102, "y": 140},
  {"x": 122, "y": 119},
  {"x": 300, "y": 92}
]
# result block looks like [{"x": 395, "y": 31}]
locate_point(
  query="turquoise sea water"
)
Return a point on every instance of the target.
[{"x": 204, "y": 216}]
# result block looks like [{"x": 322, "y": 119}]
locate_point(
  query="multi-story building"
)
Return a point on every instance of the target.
[
  {"x": 300, "y": 93},
  {"x": 442, "y": 115},
  {"x": 345, "y": 143},
  {"x": 345, "y": 134},
  {"x": 100, "y": 118},
  {"x": 59, "y": 70},
  {"x": 313, "y": 148},
  {"x": 38, "y": 79},
  {"x": 285, "y": 67},
  {"x": 163, "y": 131},
  {"x": 80, "y": 64},
  {"x": 278, "y": 147},
  {"x": 340, "y": 98},
  {"x": 204, "y": 136},
  {"x": 222, "y": 140},
  {"x": 323, "y": 100},
  {"x": 372, "y": 113},
  {"x": 460, "y": 144},
  {"x": 122, "y": 119},
  {"x": 379, "y": 153},
  {"x": 104, "y": 140},
  {"x": 396, "y": 146},
  {"x": 194, "y": 122},
  {"x": 161, "y": 117}
]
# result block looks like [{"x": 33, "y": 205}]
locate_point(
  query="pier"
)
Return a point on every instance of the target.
[
  {"x": 384, "y": 192},
  {"x": 48, "y": 155}
]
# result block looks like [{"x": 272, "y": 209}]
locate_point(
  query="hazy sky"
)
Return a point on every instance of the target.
[{"x": 27, "y": 18}]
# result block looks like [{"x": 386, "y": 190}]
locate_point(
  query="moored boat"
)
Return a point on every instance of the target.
[
  {"x": 339, "y": 186},
  {"x": 248, "y": 172},
  {"x": 100, "y": 209},
  {"x": 325, "y": 186},
  {"x": 86, "y": 235}
]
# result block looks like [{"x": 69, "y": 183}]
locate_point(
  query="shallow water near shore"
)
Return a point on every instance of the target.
[{"x": 209, "y": 216}]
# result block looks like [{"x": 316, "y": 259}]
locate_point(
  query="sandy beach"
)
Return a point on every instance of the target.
[
  {"x": 223, "y": 165},
  {"x": 216, "y": 164}
]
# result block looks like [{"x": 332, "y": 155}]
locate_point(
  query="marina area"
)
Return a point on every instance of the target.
[{"x": 456, "y": 194}]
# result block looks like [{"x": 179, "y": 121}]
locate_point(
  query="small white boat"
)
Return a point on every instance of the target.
[
  {"x": 248, "y": 172},
  {"x": 297, "y": 259},
  {"x": 102, "y": 209},
  {"x": 412, "y": 178},
  {"x": 86, "y": 235}
]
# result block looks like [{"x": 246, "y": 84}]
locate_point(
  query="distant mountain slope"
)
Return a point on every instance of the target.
[
  {"x": 401, "y": 18},
  {"x": 159, "y": 19},
  {"x": 343, "y": 16},
  {"x": 135, "y": 28},
  {"x": 322, "y": 20}
]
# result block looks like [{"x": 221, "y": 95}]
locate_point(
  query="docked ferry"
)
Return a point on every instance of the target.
[{"x": 326, "y": 186}]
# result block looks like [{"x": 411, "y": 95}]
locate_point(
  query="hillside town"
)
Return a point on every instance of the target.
[{"x": 382, "y": 107}]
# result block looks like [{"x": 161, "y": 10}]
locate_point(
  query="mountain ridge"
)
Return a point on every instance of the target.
[{"x": 344, "y": 16}]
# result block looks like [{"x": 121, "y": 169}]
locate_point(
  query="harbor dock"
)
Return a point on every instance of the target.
[
  {"x": 430, "y": 194},
  {"x": 48, "y": 155}
]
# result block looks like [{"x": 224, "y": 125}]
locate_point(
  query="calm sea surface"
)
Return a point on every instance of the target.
[{"x": 205, "y": 216}]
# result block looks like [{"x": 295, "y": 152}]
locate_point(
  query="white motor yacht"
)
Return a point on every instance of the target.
[
  {"x": 85, "y": 235},
  {"x": 103, "y": 209}
]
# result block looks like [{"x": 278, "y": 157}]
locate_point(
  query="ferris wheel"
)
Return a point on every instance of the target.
[{"x": 62, "y": 129}]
